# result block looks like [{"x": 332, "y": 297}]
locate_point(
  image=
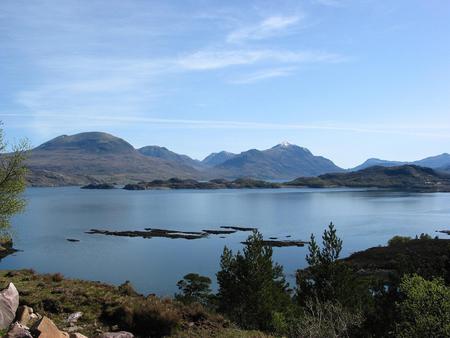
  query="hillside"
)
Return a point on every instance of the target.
[
  {"x": 215, "y": 159},
  {"x": 165, "y": 154},
  {"x": 434, "y": 162},
  {"x": 284, "y": 161},
  {"x": 92, "y": 157},
  {"x": 406, "y": 177},
  {"x": 371, "y": 162},
  {"x": 96, "y": 157}
]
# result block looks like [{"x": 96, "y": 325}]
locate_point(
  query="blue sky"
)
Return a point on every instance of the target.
[{"x": 347, "y": 79}]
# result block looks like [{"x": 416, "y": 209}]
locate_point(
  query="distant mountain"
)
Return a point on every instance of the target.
[
  {"x": 433, "y": 162},
  {"x": 215, "y": 159},
  {"x": 92, "y": 157},
  {"x": 405, "y": 177},
  {"x": 166, "y": 154},
  {"x": 438, "y": 161},
  {"x": 376, "y": 162},
  {"x": 284, "y": 161}
]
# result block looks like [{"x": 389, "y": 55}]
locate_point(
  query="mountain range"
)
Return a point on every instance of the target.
[
  {"x": 440, "y": 162},
  {"x": 95, "y": 157}
]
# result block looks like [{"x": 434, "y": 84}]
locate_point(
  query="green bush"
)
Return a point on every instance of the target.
[
  {"x": 152, "y": 317},
  {"x": 425, "y": 309},
  {"x": 324, "y": 320},
  {"x": 194, "y": 288},
  {"x": 396, "y": 240}
]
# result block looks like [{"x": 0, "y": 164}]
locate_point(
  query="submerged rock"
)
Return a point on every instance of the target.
[
  {"x": 279, "y": 244},
  {"x": 150, "y": 233},
  {"x": 9, "y": 302},
  {"x": 238, "y": 228}
]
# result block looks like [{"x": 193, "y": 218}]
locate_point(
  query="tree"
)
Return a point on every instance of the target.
[
  {"x": 327, "y": 278},
  {"x": 252, "y": 288},
  {"x": 425, "y": 309},
  {"x": 194, "y": 288},
  {"x": 12, "y": 180}
]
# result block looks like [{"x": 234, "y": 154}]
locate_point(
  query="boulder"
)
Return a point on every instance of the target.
[
  {"x": 73, "y": 318},
  {"x": 45, "y": 328},
  {"x": 9, "y": 302},
  {"x": 23, "y": 314},
  {"x": 121, "y": 334},
  {"x": 18, "y": 330}
]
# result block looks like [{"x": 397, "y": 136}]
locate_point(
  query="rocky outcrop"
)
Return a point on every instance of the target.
[
  {"x": 18, "y": 330},
  {"x": 9, "y": 302},
  {"x": 24, "y": 315},
  {"x": 45, "y": 328},
  {"x": 22, "y": 322}
]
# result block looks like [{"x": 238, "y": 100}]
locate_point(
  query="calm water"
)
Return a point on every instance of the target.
[{"x": 363, "y": 219}]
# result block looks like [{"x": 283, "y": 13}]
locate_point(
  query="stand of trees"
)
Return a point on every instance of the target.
[{"x": 331, "y": 297}]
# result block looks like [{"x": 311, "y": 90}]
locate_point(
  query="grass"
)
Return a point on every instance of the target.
[{"x": 106, "y": 307}]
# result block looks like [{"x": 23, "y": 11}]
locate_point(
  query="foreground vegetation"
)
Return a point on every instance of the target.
[
  {"x": 373, "y": 293},
  {"x": 401, "y": 290},
  {"x": 107, "y": 308}
]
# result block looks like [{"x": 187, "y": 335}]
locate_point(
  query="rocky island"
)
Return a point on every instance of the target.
[
  {"x": 404, "y": 178},
  {"x": 98, "y": 186},
  {"x": 176, "y": 183}
]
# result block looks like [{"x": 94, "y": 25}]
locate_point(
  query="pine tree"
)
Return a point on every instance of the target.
[{"x": 252, "y": 288}]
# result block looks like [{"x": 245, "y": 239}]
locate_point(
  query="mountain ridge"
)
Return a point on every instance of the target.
[
  {"x": 96, "y": 157},
  {"x": 434, "y": 162}
]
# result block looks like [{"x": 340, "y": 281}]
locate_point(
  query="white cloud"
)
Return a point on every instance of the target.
[
  {"x": 207, "y": 60},
  {"x": 263, "y": 75},
  {"x": 269, "y": 27}
]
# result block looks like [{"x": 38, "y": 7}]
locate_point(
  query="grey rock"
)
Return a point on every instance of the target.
[
  {"x": 9, "y": 302},
  {"x": 73, "y": 317},
  {"x": 18, "y": 330}
]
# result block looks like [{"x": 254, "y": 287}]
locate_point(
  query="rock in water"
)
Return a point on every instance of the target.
[
  {"x": 18, "y": 330},
  {"x": 45, "y": 328},
  {"x": 9, "y": 302},
  {"x": 121, "y": 334}
]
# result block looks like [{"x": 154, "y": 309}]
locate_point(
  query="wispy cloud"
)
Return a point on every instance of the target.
[
  {"x": 433, "y": 131},
  {"x": 263, "y": 75},
  {"x": 269, "y": 27},
  {"x": 331, "y": 3},
  {"x": 215, "y": 59}
]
